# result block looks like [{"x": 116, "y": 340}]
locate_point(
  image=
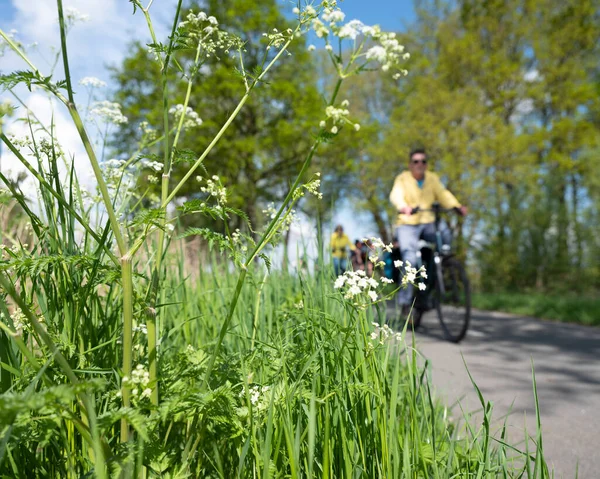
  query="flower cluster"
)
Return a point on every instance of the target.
[
  {"x": 276, "y": 38},
  {"x": 73, "y": 16},
  {"x": 376, "y": 244},
  {"x": 148, "y": 133},
  {"x": 258, "y": 396},
  {"x": 118, "y": 180},
  {"x": 214, "y": 188},
  {"x": 236, "y": 236},
  {"x": 338, "y": 117},
  {"x": 154, "y": 165},
  {"x": 199, "y": 21},
  {"x": 357, "y": 287},
  {"x": 139, "y": 383},
  {"x": 384, "y": 47},
  {"x": 203, "y": 29},
  {"x": 285, "y": 222},
  {"x": 312, "y": 187},
  {"x": 411, "y": 274},
  {"x": 191, "y": 120},
  {"x": 18, "y": 318},
  {"x": 389, "y": 53},
  {"x": 142, "y": 328},
  {"x": 92, "y": 82},
  {"x": 109, "y": 111},
  {"x": 384, "y": 333}
]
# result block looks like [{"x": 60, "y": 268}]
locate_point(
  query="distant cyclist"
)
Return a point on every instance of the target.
[{"x": 418, "y": 187}]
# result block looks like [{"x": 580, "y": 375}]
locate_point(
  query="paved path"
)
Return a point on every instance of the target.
[{"x": 498, "y": 350}]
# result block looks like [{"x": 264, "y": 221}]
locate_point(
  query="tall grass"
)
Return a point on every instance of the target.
[
  {"x": 261, "y": 374},
  {"x": 298, "y": 389}
]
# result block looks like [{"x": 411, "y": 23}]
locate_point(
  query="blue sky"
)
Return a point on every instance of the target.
[{"x": 389, "y": 14}]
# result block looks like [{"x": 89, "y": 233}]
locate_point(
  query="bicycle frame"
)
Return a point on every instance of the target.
[{"x": 437, "y": 247}]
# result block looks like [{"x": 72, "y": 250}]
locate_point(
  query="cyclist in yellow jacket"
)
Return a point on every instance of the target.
[
  {"x": 339, "y": 243},
  {"x": 412, "y": 188}
]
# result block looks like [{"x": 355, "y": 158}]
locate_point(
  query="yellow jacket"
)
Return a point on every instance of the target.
[
  {"x": 339, "y": 244},
  {"x": 406, "y": 192}
]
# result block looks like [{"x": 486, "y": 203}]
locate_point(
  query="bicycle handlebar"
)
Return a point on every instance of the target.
[{"x": 438, "y": 209}]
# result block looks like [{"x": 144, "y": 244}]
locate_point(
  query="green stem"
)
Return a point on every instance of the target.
[
  {"x": 225, "y": 325},
  {"x": 151, "y": 311},
  {"x": 114, "y": 223},
  {"x": 63, "y": 46},
  {"x": 126, "y": 276},
  {"x": 256, "y": 308}
]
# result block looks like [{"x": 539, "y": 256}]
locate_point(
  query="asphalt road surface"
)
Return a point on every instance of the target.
[{"x": 498, "y": 351}]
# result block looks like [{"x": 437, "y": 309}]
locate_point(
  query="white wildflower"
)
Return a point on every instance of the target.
[
  {"x": 377, "y": 53},
  {"x": 422, "y": 286},
  {"x": 109, "y": 112},
  {"x": 333, "y": 16},
  {"x": 320, "y": 29},
  {"x": 92, "y": 82},
  {"x": 214, "y": 188},
  {"x": 191, "y": 119},
  {"x": 155, "y": 165},
  {"x": 72, "y": 15},
  {"x": 351, "y": 29},
  {"x": 354, "y": 290}
]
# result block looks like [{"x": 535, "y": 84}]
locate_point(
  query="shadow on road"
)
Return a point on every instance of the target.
[{"x": 498, "y": 351}]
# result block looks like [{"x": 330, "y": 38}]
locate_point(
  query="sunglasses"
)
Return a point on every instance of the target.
[{"x": 416, "y": 162}]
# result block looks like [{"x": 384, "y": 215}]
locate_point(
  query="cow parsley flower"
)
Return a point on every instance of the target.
[
  {"x": 92, "y": 82},
  {"x": 192, "y": 119},
  {"x": 109, "y": 111},
  {"x": 351, "y": 30},
  {"x": 215, "y": 189}
]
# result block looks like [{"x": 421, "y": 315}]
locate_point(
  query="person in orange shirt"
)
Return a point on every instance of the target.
[{"x": 422, "y": 188}]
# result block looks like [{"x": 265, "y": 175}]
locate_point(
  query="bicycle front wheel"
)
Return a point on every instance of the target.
[{"x": 453, "y": 300}]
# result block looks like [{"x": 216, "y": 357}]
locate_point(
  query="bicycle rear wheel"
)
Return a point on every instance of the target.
[{"x": 453, "y": 304}]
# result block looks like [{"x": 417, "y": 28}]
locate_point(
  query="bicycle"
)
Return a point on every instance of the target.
[{"x": 448, "y": 290}]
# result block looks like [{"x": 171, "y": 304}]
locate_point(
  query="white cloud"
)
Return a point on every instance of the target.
[{"x": 92, "y": 46}]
